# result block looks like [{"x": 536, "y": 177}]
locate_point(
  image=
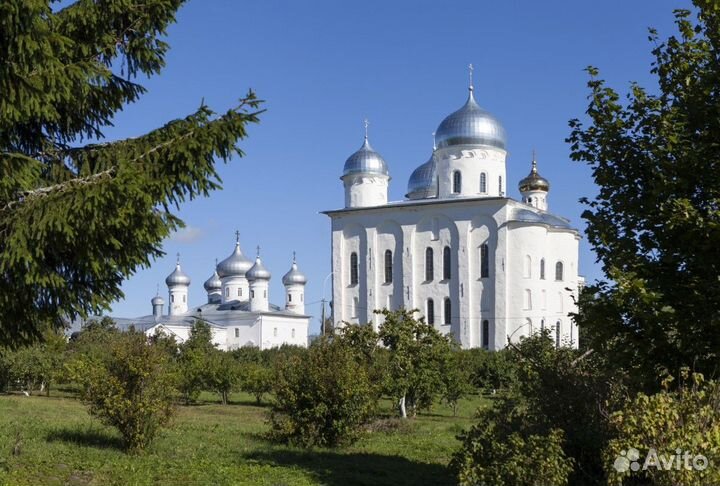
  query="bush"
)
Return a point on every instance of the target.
[
  {"x": 670, "y": 423},
  {"x": 256, "y": 380},
  {"x": 494, "y": 455},
  {"x": 129, "y": 388},
  {"x": 322, "y": 397}
]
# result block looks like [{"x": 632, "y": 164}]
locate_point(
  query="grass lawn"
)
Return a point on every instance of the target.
[{"x": 53, "y": 441}]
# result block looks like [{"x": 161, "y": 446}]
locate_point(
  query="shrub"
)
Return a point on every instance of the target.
[
  {"x": 129, "y": 388},
  {"x": 662, "y": 428},
  {"x": 256, "y": 380},
  {"x": 322, "y": 397}
]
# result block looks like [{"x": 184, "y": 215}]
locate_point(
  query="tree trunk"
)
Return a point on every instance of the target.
[{"x": 401, "y": 404}]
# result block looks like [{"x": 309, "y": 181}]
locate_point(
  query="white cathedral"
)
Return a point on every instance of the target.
[
  {"x": 476, "y": 263},
  {"x": 238, "y": 308}
]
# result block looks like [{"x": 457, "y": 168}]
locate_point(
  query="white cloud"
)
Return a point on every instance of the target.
[{"x": 188, "y": 234}]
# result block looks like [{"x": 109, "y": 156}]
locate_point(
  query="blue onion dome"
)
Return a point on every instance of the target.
[
  {"x": 294, "y": 276},
  {"x": 258, "y": 271},
  {"x": 534, "y": 181},
  {"x": 178, "y": 277},
  {"x": 470, "y": 125},
  {"x": 365, "y": 161},
  {"x": 236, "y": 265},
  {"x": 213, "y": 283},
  {"x": 422, "y": 183}
]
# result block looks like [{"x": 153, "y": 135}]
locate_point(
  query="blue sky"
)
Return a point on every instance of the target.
[{"x": 323, "y": 66}]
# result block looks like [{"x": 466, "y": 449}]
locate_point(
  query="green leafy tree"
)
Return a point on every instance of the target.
[
  {"x": 668, "y": 428},
  {"x": 78, "y": 219},
  {"x": 194, "y": 362},
  {"x": 455, "y": 374},
  {"x": 223, "y": 373},
  {"x": 655, "y": 224},
  {"x": 417, "y": 353},
  {"x": 128, "y": 387},
  {"x": 322, "y": 397},
  {"x": 257, "y": 380}
]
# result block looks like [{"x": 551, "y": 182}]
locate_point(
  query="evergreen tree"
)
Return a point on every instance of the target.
[
  {"x": 655, "y": 224},
  {"x": 77, "y": 219}
]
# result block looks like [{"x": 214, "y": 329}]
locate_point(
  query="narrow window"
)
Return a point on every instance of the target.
[
  {"x": 353, "y": 269},
  {"x": 264, "y": 294},
  {"x": 252, "y": 294},
  {"x": 430, "y": 312},
  {"x": 457, "y": 182},
  {"x": 275, "y": 332},
  {"x": 484, "y": 261},
  {"x": 237, "y": 332},
  {"x": 388, "y": 267},
  {"x": 527, "y": 269},
  {"x": 557, "y": 334},
  {"x": 558, "y": 271},
  {"x": 289, "y": 297},
  {"x": 172, "y": 298},
  {"x": 483, "y": 183},
  {"x": 389, "y": 304},
  {"x": 429, "y": 270},
  {"x": 542, "y": 269},
  {"x": 227, "y": 292},
  {"x": 528, "y": 299},
  {"x": 500, "y": 186},
  {"x": 486, "y": 334},
  {"x": 528, "y": 324},
  {"x": 239, "y": 294},
  {"x": 184, "y": 298},
  {"x": 542, "y": 325},
  {"x": 356, "y": 304},
  {"x": 447, "y": 260},
  {"x": 293, "y": 333},
  {"x": 448, "y": 310}
]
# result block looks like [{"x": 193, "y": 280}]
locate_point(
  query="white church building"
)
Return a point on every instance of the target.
[
  {"x": 476, "y": 263},
  {"x": 238, "y": 308}
]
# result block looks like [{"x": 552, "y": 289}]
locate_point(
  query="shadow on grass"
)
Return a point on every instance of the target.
[
  {"x": 87, "y": 438},
  {"x": 338, "y": 469}
]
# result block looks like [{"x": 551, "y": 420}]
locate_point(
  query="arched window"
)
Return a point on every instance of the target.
[
  {"x": 429, "y": 270},
  {"x": 542, "y": 325},
  {"x": 484, "y": 261},
  {"x": 353, "y": 268},
  {"x": 457, "y": 182},
  {"x": 430, "y": 312},
  {"x": 527, "y": 268},
  {"x": 557, "y": 334},
  {"x": 483, "y": 183},
  {"x": 388, "y": 266},
  {"x": 448, "y": 311},
  {"x": 500, "y": 187},
  {"x": 447, "y": 260},
  {"x": 558, "y": 271},
  {"x": 542, "y": 269},
  {"x": 486, "y": 334},
  {"x": 528, "y": 299}
]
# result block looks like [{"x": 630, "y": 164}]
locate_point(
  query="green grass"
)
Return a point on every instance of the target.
[{"x": 53, "y": 441}]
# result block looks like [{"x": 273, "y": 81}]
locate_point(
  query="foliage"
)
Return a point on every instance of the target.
[
  {"x": 256, "y": 380},
  {"x": 34, "y": 366},
  {"x": 222, "y": 374},
  {"x": 417, "y": 354},
  {"x": 456, "y": 378},
  {"x": 490, "y": 370},
  {"x": 685, "y": 420},
  {"x": 655, "y": 224},
  {"x": 322, "y": 398},
  {"x": 493, "y": 454},
  {"x": 129, "y": 388},
  {"x": 194, "y": 368},
  {"x": 78, "y": 219}
]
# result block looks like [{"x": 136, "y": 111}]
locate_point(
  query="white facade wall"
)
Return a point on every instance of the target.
[
  {"x": 235, "y": 288},
  {"x": 177, "y": 299},
  {"x": 464, "y": 226},
  {"x": 295, "y": 298},
  {"x": 364, "y": 190},
  {"x": 471, "y": 163},
  {"x": 259, "y": 296}
]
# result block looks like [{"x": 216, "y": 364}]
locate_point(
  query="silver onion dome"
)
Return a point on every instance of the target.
[
  {"x": 157, "y": 300},
  {"x": 423, "y": 181},
  {"x": 534, "y": 181},
  {"x": 178, "y": 277},
  {"x": 365, "y": 161},
  {"x": 236, "y": 265},
  {"x": 294, "y": 276},
  {"x": 213, "y": 283},
  {"x": 470, "y": 125},
  {"x": 258, "y": 271}
]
